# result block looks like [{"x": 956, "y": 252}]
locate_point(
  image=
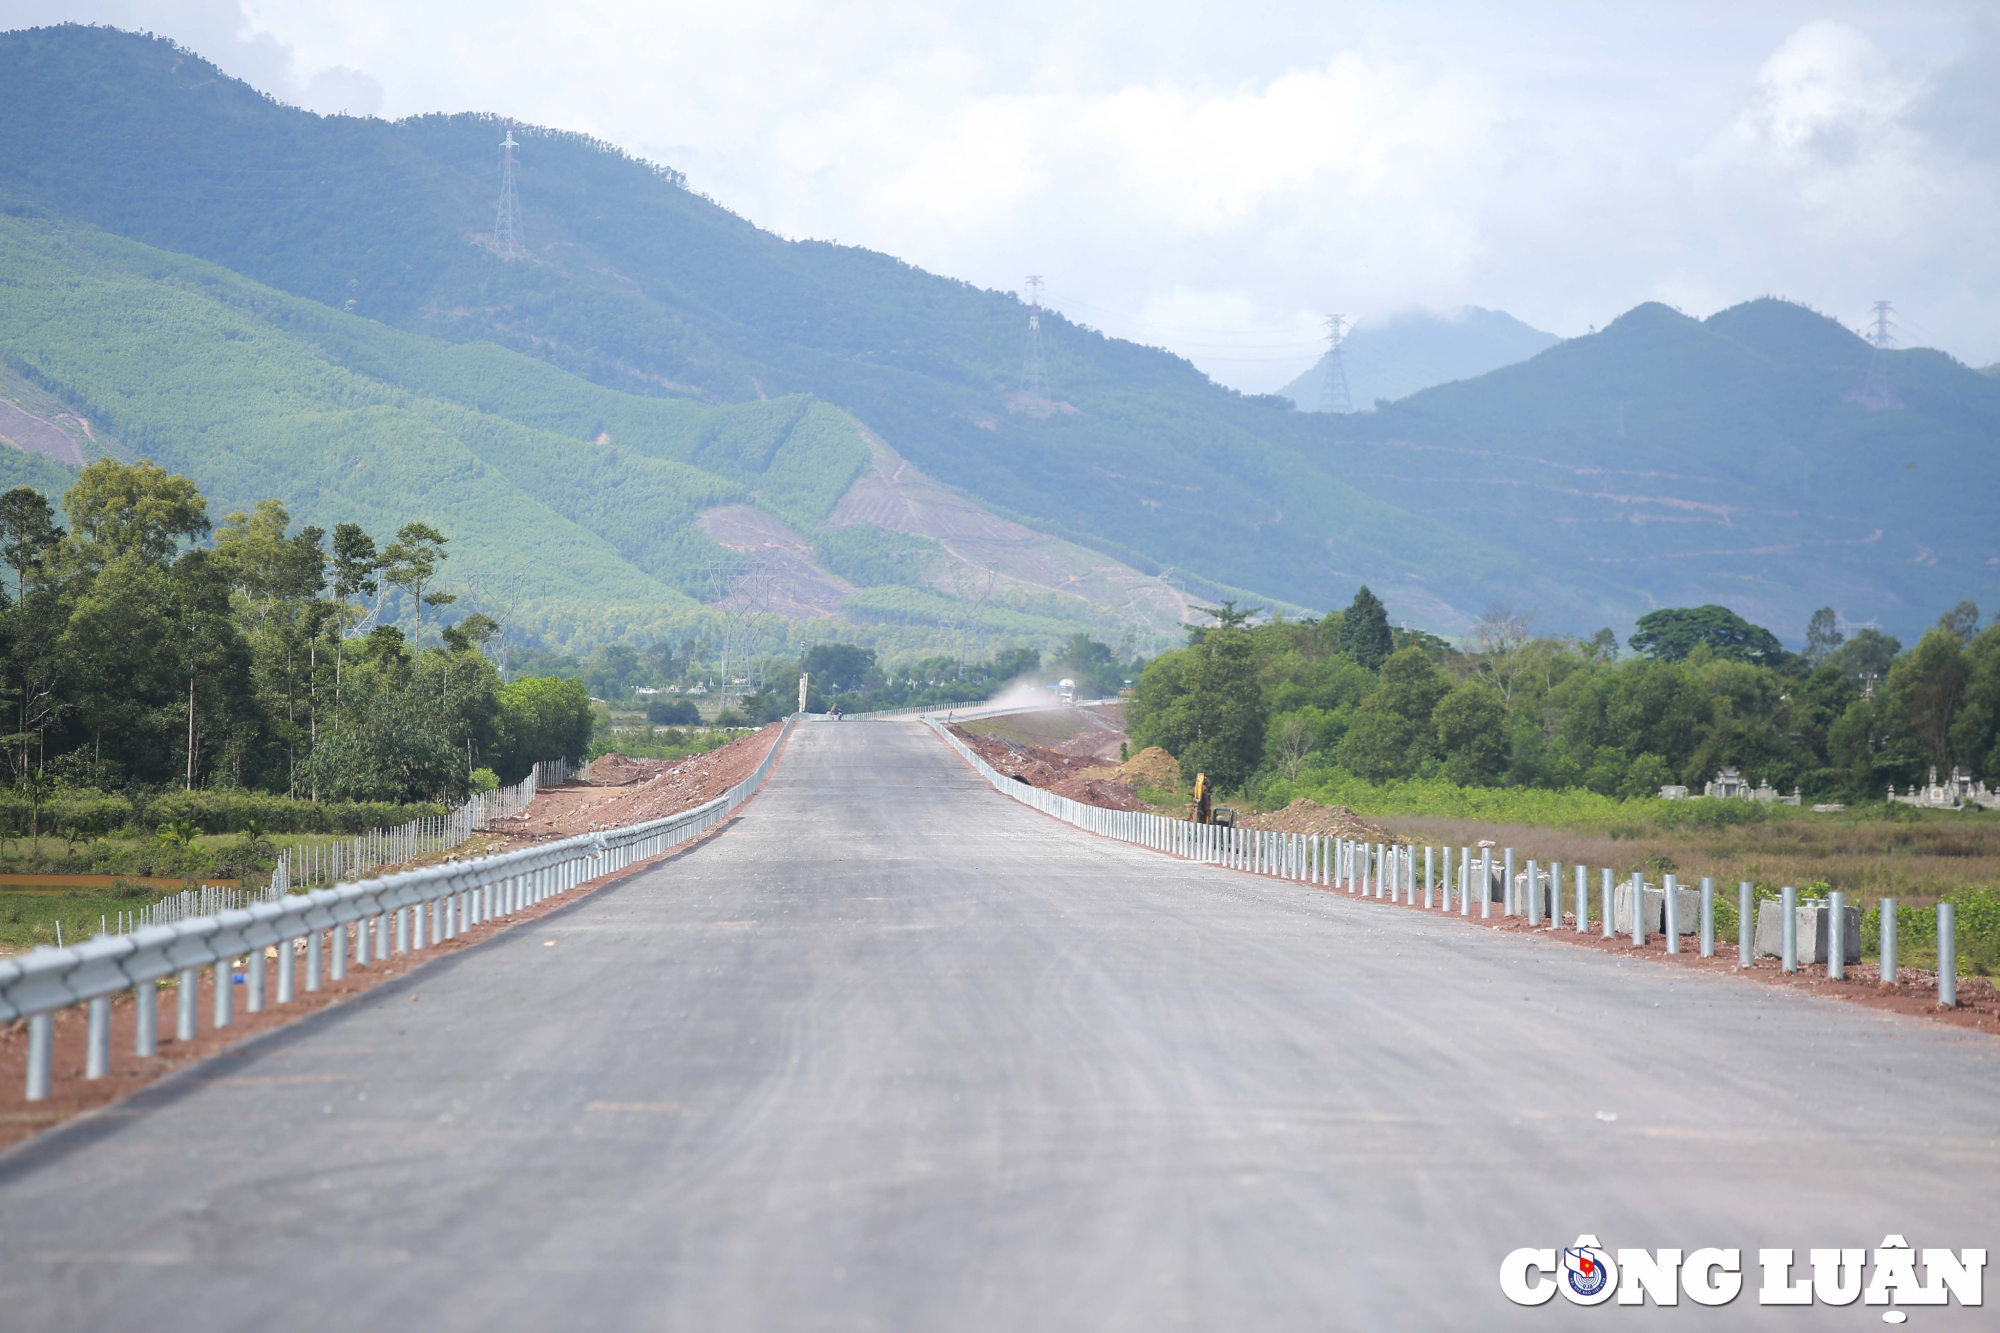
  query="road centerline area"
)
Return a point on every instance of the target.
[{"x": 896, "y": 1052}]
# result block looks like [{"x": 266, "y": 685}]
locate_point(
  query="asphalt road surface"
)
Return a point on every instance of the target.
[{"x": 894, "y": 1052}]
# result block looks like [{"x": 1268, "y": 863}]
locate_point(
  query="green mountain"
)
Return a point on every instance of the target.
[
  {"x": 365, "y": 344},
  {"x": 638, "y": 283},
  {"x": 1743, "y": 458}
]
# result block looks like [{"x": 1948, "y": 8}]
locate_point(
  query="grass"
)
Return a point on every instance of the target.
[
  {"x": 29, "y": 919},
  {"x": 643, "y": 741}
]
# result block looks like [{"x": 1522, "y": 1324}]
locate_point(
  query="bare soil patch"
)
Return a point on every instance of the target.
[
  {"x": 623, "y": 790},
  {"x": 1040, "y": 766},
  {"x": 1331, "y": 821}
]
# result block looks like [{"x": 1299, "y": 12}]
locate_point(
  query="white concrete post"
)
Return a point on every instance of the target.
[
  {"x": 1746, "y": 923},
  {"x": 1947, "y": 951},
  {"x": 1707, "y": 917},
  {"x": 1888, "y": 910},
  {"x": 1790, "y": 928}
]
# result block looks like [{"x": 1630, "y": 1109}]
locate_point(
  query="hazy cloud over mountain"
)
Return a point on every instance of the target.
[{"x": 1213, "y": 178}]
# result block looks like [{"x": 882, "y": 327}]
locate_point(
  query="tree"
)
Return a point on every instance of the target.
[
  {"x": 1392, "y": 734},
  {"x": 1671, "y": 633},
  {"x": 1471, "y": 728},
  {"x": 837, "y": 667},
  {"x": 1224, "y": 709},
  {"x": 139, "y": 507},
  {"x": 471, "y": 633},
  {"x": 1293, "y": 737},
  {"x": 39, "y": 788},
  {"x": 1865, "y": 656},
  {"x": 1364, "y": 630},
  {"x": 1822, "y": 635},
  {"x": 541, "y": 717},
  {"x": 1961, "y": 622},
  {"x": 411, "y": 563},
  {"x": 1923, "y": 691},
  {"x": 28, "y": 532}
]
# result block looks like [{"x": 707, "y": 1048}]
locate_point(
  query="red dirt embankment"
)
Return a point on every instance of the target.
[
  {"x": 623, "y": 790},
  {"x": 1052, "y": 770}
]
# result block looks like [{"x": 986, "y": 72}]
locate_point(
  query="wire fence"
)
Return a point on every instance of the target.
[{"x": 311, "y": 865}]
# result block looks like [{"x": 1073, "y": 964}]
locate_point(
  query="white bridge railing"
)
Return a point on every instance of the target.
[{"x": 322, "y": 928}]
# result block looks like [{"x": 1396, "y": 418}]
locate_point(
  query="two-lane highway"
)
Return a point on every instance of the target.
[{"x": 895, "y": 1052}]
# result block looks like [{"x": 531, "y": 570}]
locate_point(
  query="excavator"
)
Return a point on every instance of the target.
[{"x": 1204, "y": 809}]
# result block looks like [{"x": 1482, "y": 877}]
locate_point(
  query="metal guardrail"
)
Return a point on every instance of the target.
[
  {"x": 400, "y": 913},
  {"x": 1389, "y": 871}
]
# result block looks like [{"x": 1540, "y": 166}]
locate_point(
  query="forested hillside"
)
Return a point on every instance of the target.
[
  {"x": 639, "y": 283},
  {"x": 1662, "y": 461},
  {"x": 1732, "y": 459}
]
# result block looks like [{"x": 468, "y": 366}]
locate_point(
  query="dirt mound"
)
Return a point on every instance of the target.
[
  {"x": 1334, "y": 821},
  {"x": 1066, "y": 775},
  {"x": 619, "y": 770},
  {"x": 1099, "y": 792},
  {"x": 632, "y": 791},
  {"x": 1152, "y": 766}
]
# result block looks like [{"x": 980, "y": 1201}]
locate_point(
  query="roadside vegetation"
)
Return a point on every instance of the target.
[
  {"x": 180, "y": 699},
  {"x": 1559, "y": 747}
]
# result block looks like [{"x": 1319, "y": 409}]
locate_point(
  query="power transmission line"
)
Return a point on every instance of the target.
[
  {"x": 1333, "y": 382},
  {"x": 1875, "y": 392},
  {"x": 507, "y": 241},
  {"x": 1034, "y": 379}
]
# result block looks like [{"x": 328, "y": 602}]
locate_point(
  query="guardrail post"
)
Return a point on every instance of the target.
[
  {"x": 1638, "y": 909},
  {"x": 1836, "y": 936},
  {"x": 1670, "y": 911},
  {"x": 253, "y": 982},
  {"x": 41, "y": 1055},
  {"x": 225, "y": 991},
  {"x": 1790, "y": 928},
  {"x": 1485, "y": 883},
  {"x": 362, "y": 929},
  {"x": 1888, "y": 910},
  {"x": 1746, "y": 923},
  {"x": 1534, "y": 896},
  {"x": 313, "y": 947},
  {"x": 382, "y": 936},
  {"x": 185, "y": 1002},
  {"x": 287, "y": 969},
  {"x": 1605, "y": 896},
  {"x": 1707, "y": 917},
  {"x": 1583, "y": 900},
  {"x": 1947, "y": 951},
  {"x": 1507, "y": 888},
  {"x": 146, "y": 1018},
  {"x": 97, "y": 1041},
  {"x": 336, "y": 940},
  {"x": 1429, "y": 851},
  {"x": 1555, "y": 895}
]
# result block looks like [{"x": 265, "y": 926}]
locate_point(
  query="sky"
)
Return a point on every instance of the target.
[{"x": 1217, "y": 178}]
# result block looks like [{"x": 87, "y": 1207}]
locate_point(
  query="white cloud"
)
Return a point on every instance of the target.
[{"x": 1214, "y": 178}]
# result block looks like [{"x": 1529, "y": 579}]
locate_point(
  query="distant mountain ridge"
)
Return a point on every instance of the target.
[
  {"x": 1394, "y": 357},
  {"x": 1515, "y": 485}
]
